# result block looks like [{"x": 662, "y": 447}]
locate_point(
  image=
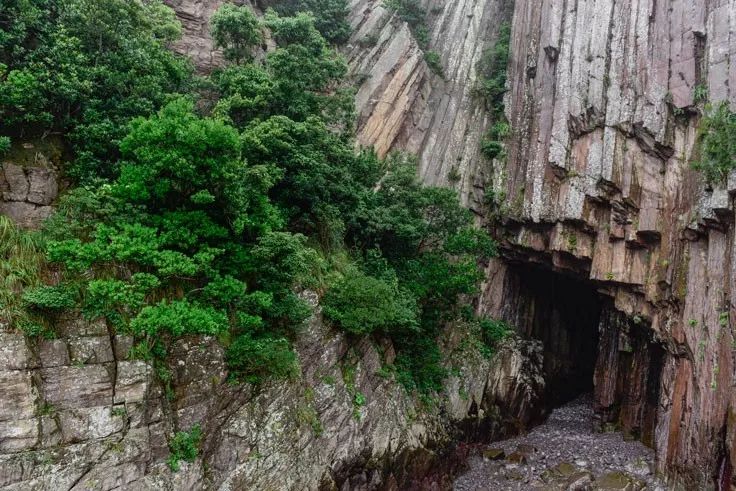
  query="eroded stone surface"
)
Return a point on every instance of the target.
[{"x": 84, "y": 417}]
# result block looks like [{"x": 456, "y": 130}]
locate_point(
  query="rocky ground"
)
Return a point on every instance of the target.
[{"x": 564, "y": 453}]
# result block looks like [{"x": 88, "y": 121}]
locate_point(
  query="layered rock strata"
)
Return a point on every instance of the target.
[
  {"x": 77, "y": 413},
  {"x": 599, "y": 186}
]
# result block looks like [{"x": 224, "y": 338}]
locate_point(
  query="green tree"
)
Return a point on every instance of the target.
[
  {"x": 236, "y": 30},
  {"x": 331, "y": 16},
  {"x": 716, "y": 143}
]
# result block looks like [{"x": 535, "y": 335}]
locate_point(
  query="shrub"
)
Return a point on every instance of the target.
[
  {"x": 49, "y": 297},
  {"x": 4, "y": 145},
  {"x": 178, "y": 318},
  {"x": 717, "y": 143},
  {"x": 86, "y": 67},
  {"x": 184, "y": 446},
  {"x": 411, "y": 12},
  {"x": 362, "y": 304},
  {"x": 330, "y": 16},
  {"x": 491, "y": 87},
  {"x": 493, "y": 331},
  {"x": 21, "y": 260},
  {"x": 256, "y": 359},
  {"x": 432, "y": 58}
]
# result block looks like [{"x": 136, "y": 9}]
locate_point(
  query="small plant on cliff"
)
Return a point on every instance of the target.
[
  {"x": 434, "y": 62},
  {"x": 21, "y": 262},
  {"x": 411, "y": 12},
  {"x": 700, "y": 94},
  {"x": 50, "y": 297},
  {"x": 4, "y": 145},
  {"x": 184, "y": 446},
  {"x": 716, "y": 143},
  {"x": 362, "y": 304}
]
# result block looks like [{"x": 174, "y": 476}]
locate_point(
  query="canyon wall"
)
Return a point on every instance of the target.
[
  {"x": 596, "y": 189},
  {"x": 598, "y": 175},
  {"x": 597, "y": 185},
  {"x": 77, "y": 413}
]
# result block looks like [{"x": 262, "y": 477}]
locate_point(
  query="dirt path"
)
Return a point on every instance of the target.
[{"x": 564, "y": 453}]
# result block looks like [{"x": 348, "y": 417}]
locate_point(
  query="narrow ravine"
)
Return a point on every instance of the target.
[{"x": 564, "y": 453}]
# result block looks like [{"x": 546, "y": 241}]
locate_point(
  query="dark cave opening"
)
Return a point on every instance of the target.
[
  {"x": 564, "y": 313},
  {"x": 589, "y": 347}
]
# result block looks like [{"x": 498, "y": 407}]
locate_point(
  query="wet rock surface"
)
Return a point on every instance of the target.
[{"x": 564, "y": 453}]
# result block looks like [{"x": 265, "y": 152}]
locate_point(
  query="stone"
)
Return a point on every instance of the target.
[
  {"x": 494, "y": 454},
  {"x": 132, "y": 381},
  {"x": 73, "y": 387},
  {"x": 90, "y": 349},
  {"x": 25, "y": 215},
  {"x": 53, "y": 353},
  {"x": 517, "y": 458},
  {"x": 564, "y": 469},
  {"x": 618, "y": 481},
  {"x": 17, "y": 395},
  {"x": 15, "y": 184},
  {"x": 580, "y": 481},
  {"x": 43, "y": 185},
  {"x": 84, "y": 424},
  {"x": 526, "y": 449},
  {"x": 14, "y": 353}
]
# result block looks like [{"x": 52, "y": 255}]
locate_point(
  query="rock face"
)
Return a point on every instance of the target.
[
  {"x": 602, "y": 104},
  {"x": 615, "y": 255},
  {"x": 403, "y": 105},
  {"x": 598, "y": 187},
  {"x": 27, "y": 191},
  {"x": 77, "y": 413}
]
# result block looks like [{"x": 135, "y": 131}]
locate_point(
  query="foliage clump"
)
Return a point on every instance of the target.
[
  {"x": 330, "y": 16},
  {"x": 414, "y": 14},
  {"x": 362, "y": 304},
  {"x": 716, "y": 143},
  {"x": 184, "y": 446},
  {"x": 86, "y": 68},
  {"x": 237, "y": 30}
]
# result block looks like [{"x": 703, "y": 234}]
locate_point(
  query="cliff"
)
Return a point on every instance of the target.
[
  {"x": 77, "y": 413},
  {"x": 616, "y": 255},
  {"x": 598, "y": 188}
]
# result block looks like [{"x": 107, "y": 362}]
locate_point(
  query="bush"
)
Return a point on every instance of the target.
[
  {"x": 21, "y": 260},
  {"x": 4, "y": 145},
  {"x": 361, "y": 304},
  {"x": 331, "y": 16},
  {"x": 256, "y": 359},
  {"x": 432, "y": 58},
  {"x": 50, "y": 297},
  {"x": 179, "y": 318},
  {"x": 493, "y": 331},
  {"x": 85, "y": 68},
  {"x": 717, "y": 143},
  {"x": 184, "y": 446}
]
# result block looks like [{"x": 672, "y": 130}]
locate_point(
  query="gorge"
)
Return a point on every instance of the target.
[{"x": 616, "y": 267}]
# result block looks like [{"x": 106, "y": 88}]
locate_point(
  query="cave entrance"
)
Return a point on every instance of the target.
[
  {"x": 564, "y": 313},
  {"x": 589, "y": 347}
]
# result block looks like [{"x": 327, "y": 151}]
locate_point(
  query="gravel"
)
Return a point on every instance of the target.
[{"x": 566, "y": 437}]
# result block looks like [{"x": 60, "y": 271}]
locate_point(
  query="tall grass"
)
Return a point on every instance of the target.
[{"x": 21, "y": 261}]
